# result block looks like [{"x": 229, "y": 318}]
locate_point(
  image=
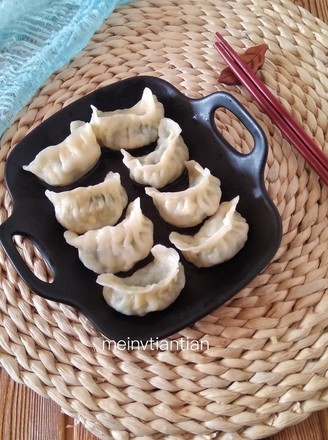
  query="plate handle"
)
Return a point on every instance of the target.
[
  {"x": 8, "y": 230},
  {"x": 259, "y": 153}
]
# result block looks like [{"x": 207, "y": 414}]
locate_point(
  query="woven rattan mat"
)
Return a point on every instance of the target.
[{"x": 266, "y": 366}]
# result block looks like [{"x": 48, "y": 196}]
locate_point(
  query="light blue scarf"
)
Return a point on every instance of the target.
[{"x": 38, "y": 37}]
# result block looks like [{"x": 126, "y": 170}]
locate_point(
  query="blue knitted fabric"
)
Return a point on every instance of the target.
[{"x": 38, "y": 37}]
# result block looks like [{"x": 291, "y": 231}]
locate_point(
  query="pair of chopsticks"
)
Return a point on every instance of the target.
[{"x": 294, "y": 133}]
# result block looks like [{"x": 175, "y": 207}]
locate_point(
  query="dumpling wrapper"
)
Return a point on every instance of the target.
[
  {"x": 220, "y": 238},
  {"x": 129, "y": 128},
  {"x": 163, "y": 165},
  {"x": 117, "y": 248},
  {"x": 189, "y": 207},
  {"x": 68, "y": 161},
  {"x": 90, "y": 207},
  {"x": 151, "y": 288}
]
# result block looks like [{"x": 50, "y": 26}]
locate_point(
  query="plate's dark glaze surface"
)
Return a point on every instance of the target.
[{"x": 206, "y": 289}]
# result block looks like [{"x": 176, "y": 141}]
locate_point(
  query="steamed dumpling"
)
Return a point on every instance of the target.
[
  {"x": 90, "y": 207},
  {"x": 115, "y": 248},
  {"x": 129, "y": 128},
  {"x": 191, "y": 206},
  {"x": 68, "y": 161},
  {"x": 165, "y": 163},
  {"x": 219, "y": 239},
  {"x": 151, "y": 288}
]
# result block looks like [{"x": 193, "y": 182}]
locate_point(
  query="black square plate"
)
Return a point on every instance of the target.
[{"x": 206, "y": 289}]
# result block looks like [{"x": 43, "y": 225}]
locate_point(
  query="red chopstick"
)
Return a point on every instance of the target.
[{"x": 277, "y": 113}]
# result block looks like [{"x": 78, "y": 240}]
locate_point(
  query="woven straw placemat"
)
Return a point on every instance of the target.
[{"x": 266, "y": 366}]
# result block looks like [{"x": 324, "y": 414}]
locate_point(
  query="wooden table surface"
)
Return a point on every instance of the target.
[{"x": 26, "y": 416}]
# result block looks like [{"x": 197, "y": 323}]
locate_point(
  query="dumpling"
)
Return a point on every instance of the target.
[
  {"x": 66, "y": 162},
  {"x": 165, "y": 163},
  {"x": 151, "y": 288},
  {"x": 189, "y": 207},
  {"x": 219, "y": 239},
  {"x": 90, "y": 207},
  {"x": 129, "y": 128},
  {"x": 115, "y": 248}
]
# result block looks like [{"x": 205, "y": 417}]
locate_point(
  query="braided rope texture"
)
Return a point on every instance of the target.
[{"x": 266, "y": 363}]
